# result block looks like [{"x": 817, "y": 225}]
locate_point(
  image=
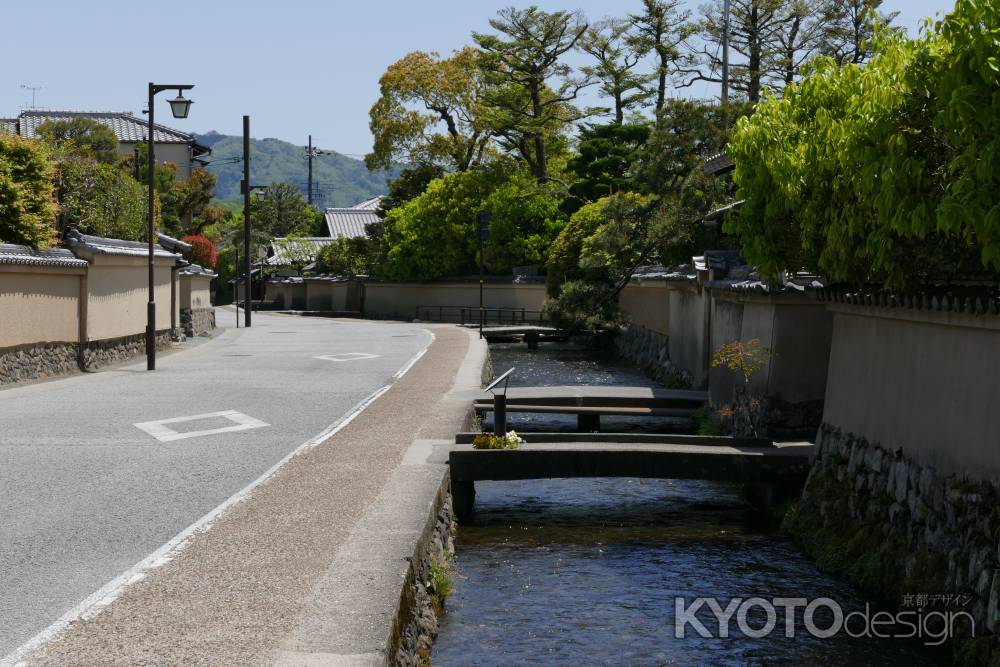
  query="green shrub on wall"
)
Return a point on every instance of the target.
[
  {"x": 103, "y": 200},
  {"x": 27, "y": 206},
  {"x": 886, "y": 173}
]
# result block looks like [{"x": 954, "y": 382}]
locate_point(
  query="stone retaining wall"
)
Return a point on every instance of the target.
[
  {"x": 98, "y": 353},
  {"x": 650, "y": 351},
  {"x": 416, "y": 628},
  {"x": 46, "y": 360},
  {"x": 197, "y": 321},
  {"x": 897, "y": 529},
  {"x": 36, "y": 362}
]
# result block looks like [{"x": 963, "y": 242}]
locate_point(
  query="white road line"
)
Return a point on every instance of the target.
[
  {"x": 348, "y": 356},
  {"x": 159, "y": 429},
  {"x": 108, "y": 593}
]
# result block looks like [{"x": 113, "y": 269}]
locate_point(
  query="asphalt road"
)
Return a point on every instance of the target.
[{"x": 85, "y": 494}]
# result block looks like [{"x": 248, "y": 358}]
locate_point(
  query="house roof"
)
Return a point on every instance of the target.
[
  {"x": 196, "y": 270},
  {"x": 86, "y": 244},
  {"x": 287, "y": 251},
  {"x": 718, "y": 214},
  {"x": 24, "y": 256},
  {"x": 718, "y": 164},
  {"x": 348, "y": 222},
  {"x": 372, "y": 204},
  {"x": 128, "y": 128},
  {"x": 172, "y": 244}
]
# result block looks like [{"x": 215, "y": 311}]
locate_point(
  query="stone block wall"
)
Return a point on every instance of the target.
[
  {"x": 98, "y": 353},
  {"x": 898, "y": 528},
  {"x": 649, "y": 350},
  {"x": 46, "y": 360},
  {"x": 197, "y": 321},
  {"x": 36, "y": 362}
]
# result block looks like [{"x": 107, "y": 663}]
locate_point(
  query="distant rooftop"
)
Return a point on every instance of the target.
[
  {"x": 128, "y": 128},
  {"x": 286, "y": 251},
  {"x": 348, "y": 222},
  {"x": 372, "y": 204}
]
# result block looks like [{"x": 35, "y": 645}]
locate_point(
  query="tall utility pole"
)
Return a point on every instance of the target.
[
  {"x": 247, "y": 285},
  {"x": 725, "y": 54},
  {"x": 309, "y": 152}
]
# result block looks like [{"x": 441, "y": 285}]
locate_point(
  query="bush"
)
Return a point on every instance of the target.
[
  {"x": 345, "y": 256},
  {"x": 27, "y": 207},
  {"x": 886, "y": 173},
  {"x": 203, "y": 252},
  {"x": 99, "y": 199}
]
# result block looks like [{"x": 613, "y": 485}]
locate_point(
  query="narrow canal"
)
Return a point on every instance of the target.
[{"x": 586, "y": 571}]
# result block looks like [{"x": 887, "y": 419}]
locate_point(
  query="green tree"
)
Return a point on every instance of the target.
[
  {"x": 283, "y": 211},
  {"x": 97, "y": 198},
  {"x": 345, "y": 256},
  {"x": 446, "y": 93},
  {"x": 609, "y": 158},
  {"x": 434, "y": 234},
  {"x": 82, "y": 137},
  {"x": 411, "y": 183},
  {"x": 661, "y": 30},
  {"x": 596, "y": 254},
  {"x": 879, "y": 173},
  {"x": 848, "y": 38},
  {"x": 27, "y": 206},
  {"x": 563, "y": 263},
  {"x": 610, "y": 43},
  {"x": 754, "y": 29},
  {"x": 531, "y": 89},
  {"x": 688, "y": 133}
]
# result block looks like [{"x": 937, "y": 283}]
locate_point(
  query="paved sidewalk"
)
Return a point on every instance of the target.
[{"x": 307, "y": 569}]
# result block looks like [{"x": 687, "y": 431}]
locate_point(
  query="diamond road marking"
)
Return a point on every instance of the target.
[
  {"x": 348, "y": 356},
  {"x": 159, "y": 429}
]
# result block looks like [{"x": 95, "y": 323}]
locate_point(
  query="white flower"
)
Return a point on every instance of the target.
[{"x": 514, "y": 438}]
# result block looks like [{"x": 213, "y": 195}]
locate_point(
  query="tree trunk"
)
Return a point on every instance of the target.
[{"x": 541, "y": 166}]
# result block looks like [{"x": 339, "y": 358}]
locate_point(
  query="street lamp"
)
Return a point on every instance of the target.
[
  {"x": 180, "y": 107},
  {"x": 483, "y": 232}
]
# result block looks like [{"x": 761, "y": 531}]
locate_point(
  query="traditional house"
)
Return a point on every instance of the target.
[{"x": 172, "y": 145}]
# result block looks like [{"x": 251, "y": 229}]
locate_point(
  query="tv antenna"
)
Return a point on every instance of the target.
[{"x": 34, "y": 90}]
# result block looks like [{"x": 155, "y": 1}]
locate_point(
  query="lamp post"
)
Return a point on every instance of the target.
[
  {"x": 483, "y": 232},
  {"x": 179, "y": 107}
]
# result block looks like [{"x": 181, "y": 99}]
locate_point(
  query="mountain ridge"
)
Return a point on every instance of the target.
[{"x": 339, "y": 180}]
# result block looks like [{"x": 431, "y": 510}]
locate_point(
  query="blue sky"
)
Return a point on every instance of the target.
[{"x": 296, "y": 67}]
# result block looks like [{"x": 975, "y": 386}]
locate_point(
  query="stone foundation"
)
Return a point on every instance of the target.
[
  {"x": 899, "y": 529},
  {"x": 46, "y": 360},
  {"x": 36, "y": 362},
  {"x": 417, "y": 624},
  {"x": 198, "y": 321},
  {"x": 98, "y": 353},
  {"x": 649, "y": 350}
]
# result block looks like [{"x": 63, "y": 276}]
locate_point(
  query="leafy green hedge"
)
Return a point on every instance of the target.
[
  {"x": 27, "y": 206},
  {"x": 886, "y": 173}
]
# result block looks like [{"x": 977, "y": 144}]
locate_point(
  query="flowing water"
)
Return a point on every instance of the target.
[{"x": 586, "y": 571}]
